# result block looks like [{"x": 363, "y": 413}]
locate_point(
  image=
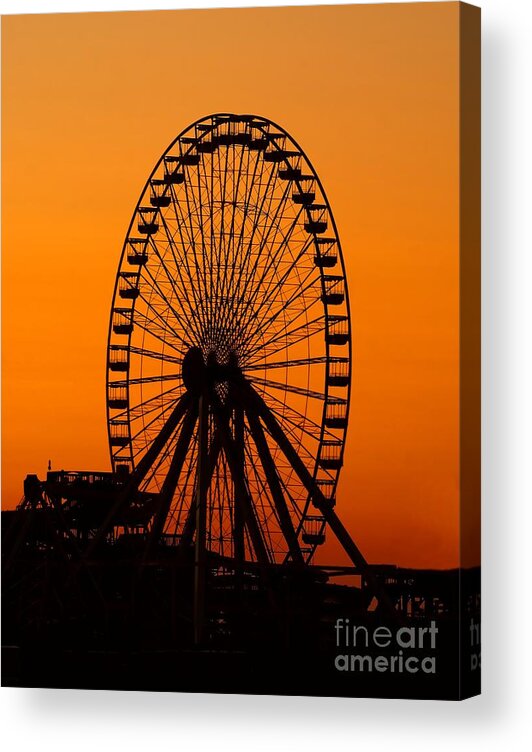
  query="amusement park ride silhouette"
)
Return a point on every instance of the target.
[{"x": 228, "y": 384}]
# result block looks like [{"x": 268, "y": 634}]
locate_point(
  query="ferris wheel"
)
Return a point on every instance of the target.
[{"x": 228, "y": 360}]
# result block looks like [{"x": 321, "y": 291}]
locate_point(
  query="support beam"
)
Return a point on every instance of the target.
[
  {"x": 244, "y": 499},
  {"x": 238, "y": 517},
  {"x": 200, "y": 551},
  {"x": 141, "y": 470},
  {"x": 174, "y": 471},
  {"x": 189, "y": 527},
  {"x": 254, "y": 402},
  {"x": 155, "y": 449},
  {"x": 285, "y": 520}
]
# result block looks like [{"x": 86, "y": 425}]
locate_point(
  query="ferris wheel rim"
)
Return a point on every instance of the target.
[{"x": 259, "y": 122}]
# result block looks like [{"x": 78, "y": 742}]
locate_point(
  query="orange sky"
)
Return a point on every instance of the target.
[{"x": 89, "y": 103}]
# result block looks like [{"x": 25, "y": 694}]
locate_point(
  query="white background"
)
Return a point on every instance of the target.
[{"x": 39, "y": 719}]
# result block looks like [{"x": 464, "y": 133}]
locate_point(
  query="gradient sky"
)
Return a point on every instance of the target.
[{"x": 89, "y": 103}]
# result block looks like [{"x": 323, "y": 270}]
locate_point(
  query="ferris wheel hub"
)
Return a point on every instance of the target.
[{"x": 199, "y": 373}]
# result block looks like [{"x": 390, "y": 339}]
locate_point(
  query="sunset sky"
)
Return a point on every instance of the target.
[{"x": 89, "y": 103}]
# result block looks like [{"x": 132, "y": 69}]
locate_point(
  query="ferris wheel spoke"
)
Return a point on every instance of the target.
[
  {"x": 309, "y": 393},
  {"x": 246, "y": 255},
  {"x": 297, "y": 512},
  {"x": 263, "y": 243},
  {"x": 151, "y": 307},
  {"x": 238, "y": 270},
  {"x": 235, "y": 183},
  {"x": 224, "y": 261},
  {"x": 198, "y": 215},
  {"x": 138, "y": 409},
  {"x": 299, "y": 250},
  {"x": 223, "y": 291},
  {"x": 278, "y": 435},
  {"x": 151, "y": 415},
  {"x": 248, "y": 194},
  {"x": 153, "y": 328},
  {"x": 143, "y": 353},
  {"x": 152, "y": 481},
  {"x": 210, "y": 199},
  {"x": 268, "y": 268},
  {"x": 298, "y": 257},
  {"x": 179, "y": 293},
  {"x": 141, "y": 434},
  {"x": 141, "y": 439},
  {"x": 291, "y": 336},
  {"x": 215, "y": 230},
  {"x": 302, "y": 334},
  {"x": 155, "y": 407},
  {"x": 296, "y": 506},
  {"x": 130, "y": 412},
  {"x": 183, "y": 292},
  {"x": 303, "y": 286},
  {"x": 181, "y": 222},
  {"x": 214, "y": 296},
  {"x": 296, "y": 419},
  {"x": 288, "y": 363},
  {"x": 274, "y": 225},
  {"x": 267, "y": 194},
  {"x": 285, "y": 419},
  {"x": 260, "y": 326},
  {"x": 232, "y": 280},
  {"x": 147, "y": 379}
]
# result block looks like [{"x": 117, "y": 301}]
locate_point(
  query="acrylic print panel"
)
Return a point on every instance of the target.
[{"x": 239, "y": 418}]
